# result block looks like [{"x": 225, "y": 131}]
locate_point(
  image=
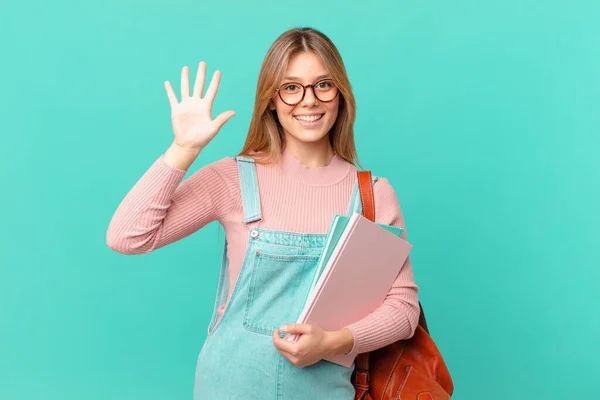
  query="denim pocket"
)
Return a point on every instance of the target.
[{"x": 279, "y": 286}]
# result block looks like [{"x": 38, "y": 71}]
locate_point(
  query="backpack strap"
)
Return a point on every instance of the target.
[
  {"x": 367, "y": 199},
  {"x": 356, "y": 204},
  {"x": 365, "y": 188}
]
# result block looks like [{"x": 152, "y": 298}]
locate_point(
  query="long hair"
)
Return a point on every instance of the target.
[{"x": 265, "y": 135}]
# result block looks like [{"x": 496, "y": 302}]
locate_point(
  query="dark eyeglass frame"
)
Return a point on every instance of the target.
[{"x": 304, "y": 87}]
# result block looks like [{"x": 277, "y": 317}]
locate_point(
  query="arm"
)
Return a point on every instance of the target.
[
  {"x": 398, "y": 316},
  {"x": 157, "y": 212}
]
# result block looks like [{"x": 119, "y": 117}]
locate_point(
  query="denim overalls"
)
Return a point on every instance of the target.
[{"x": 238, "y": 359}]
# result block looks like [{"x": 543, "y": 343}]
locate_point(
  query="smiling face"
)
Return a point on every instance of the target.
[{"x": 308, "y": 122}]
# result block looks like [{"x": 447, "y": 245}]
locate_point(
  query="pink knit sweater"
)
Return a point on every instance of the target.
[{"x": 158, "y": 211}]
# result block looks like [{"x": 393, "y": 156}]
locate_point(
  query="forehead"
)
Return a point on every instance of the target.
[{"x": 305, "y": 66}]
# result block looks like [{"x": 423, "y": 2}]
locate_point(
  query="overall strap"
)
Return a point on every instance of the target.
[
  {"x": 249, "y": 189},
  {"x": 356, "y": 205}
]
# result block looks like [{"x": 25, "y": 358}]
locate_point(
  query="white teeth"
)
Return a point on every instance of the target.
[{"x": 311, "y": 118}]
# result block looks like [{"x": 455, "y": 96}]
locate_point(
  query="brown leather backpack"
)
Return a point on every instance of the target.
[{"x": 411, "y": 369}]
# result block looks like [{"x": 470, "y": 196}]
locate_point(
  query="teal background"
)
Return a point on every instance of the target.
[{"x": 483, "y": 115}]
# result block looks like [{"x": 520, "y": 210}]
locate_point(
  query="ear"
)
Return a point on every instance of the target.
[{"x": 271, "y": 105}]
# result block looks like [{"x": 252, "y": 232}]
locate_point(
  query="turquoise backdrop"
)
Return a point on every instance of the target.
[{"x": 484, "y": 115}]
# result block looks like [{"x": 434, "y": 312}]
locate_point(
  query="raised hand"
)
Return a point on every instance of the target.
[{"x": 193, "y": 125}]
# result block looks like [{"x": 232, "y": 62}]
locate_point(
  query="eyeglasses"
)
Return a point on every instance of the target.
[{"x": 292, "y": 93}]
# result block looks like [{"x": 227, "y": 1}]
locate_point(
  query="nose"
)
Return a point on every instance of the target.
[{"x": 309, "y": 97}]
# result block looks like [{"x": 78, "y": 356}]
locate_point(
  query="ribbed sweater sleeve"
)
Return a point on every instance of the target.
[{"x": 158, "y": 211}]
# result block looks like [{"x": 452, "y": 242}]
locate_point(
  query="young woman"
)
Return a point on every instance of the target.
[{"x": 275, "y": 200}]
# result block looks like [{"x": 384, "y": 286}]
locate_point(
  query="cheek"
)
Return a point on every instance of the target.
[
  {"x": 283, "y": 110},
  {"x": 333, "y": 109}
]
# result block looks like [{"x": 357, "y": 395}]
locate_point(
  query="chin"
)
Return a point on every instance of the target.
[{"x": 308, "y": 136}]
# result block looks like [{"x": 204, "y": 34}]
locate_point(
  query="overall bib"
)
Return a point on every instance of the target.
[{"x": 238, "y": 359}]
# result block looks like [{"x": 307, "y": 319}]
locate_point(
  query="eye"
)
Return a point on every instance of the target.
[
  {"x": 324, "y": 84},
  {"x": 291, "y": 87}
]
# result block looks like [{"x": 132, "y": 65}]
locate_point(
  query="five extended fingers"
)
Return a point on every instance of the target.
[{"x": 198, "y": 85}]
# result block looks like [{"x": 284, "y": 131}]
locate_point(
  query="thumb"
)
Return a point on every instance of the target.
[{"x": 224, "y": 117}]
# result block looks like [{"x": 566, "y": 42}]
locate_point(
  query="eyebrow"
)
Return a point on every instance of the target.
[{"x": 295, "y": 78}]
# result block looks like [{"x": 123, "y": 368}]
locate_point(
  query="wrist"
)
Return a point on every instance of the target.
[
  {"x": 340, "y": 341},
  {"x": 181, "y": 157}
]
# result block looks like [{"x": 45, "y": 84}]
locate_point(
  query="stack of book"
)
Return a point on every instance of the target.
[{"x": 359, "y": 264}]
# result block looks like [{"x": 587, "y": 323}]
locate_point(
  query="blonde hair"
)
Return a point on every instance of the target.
[{"x": 265, "y": 136}]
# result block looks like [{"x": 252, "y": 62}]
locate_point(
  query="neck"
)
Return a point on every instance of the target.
[
  {"x": 313, "y": 155},
  {"x": 322, "y": 168}
]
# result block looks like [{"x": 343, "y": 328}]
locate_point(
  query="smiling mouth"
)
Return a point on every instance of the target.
[{"x": 308, "y": 118}]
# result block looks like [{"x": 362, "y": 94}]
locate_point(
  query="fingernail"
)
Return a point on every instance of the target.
[{"x": 283, "y": 328}]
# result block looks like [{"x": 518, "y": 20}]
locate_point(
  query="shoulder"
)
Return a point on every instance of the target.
[
  {"x": 383, "y": 189},
  {"x": 226, "y": 167},
  {"x": 387, "y": 205}
]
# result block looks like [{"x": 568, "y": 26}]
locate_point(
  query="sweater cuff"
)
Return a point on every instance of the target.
[
  {"x": 166, "y": 167},
  {"x": 354, "y": 343}
]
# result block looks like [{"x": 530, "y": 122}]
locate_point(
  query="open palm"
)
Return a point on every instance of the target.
[{"x": 193, "y": 125}]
